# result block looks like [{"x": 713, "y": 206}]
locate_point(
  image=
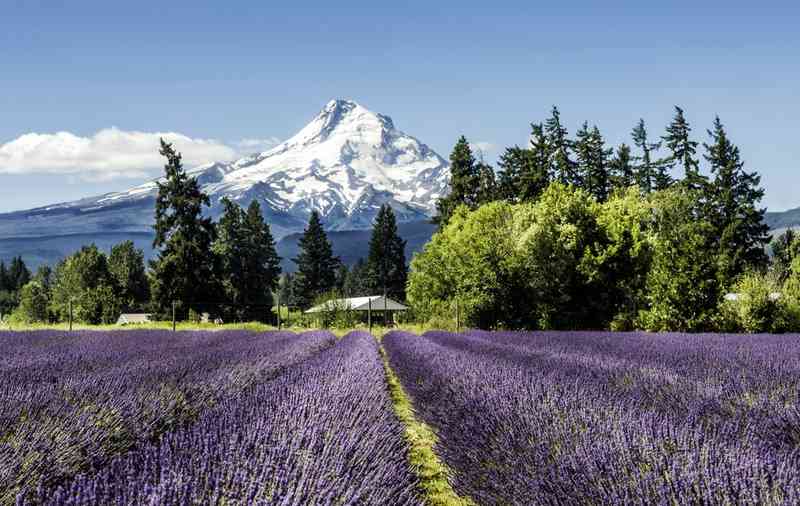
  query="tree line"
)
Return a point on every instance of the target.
[
  {"x": 571, "y": 233},
  {"x": 229, "y": 268}
]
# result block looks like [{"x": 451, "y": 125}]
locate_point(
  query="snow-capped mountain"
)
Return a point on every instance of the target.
[{"x": 345, "y": 163}]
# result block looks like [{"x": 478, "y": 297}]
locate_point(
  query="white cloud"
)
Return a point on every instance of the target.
[
  {"x": 257, "y": 145},
  {"x": 108, "y": 154}
]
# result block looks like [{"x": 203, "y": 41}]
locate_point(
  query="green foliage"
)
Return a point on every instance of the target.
[
  {"x": 183, "y": 271},
  {"x": 785, "y": 248},
  {"x": 651, "y": 174},
  {"x": 682, "y": 287},
  {"x": 562, "y": 168},
  {"x": 316, "y": 265},
  {"x": 733, "y": 200},
  {"x": 592, "y": 157},
  {"x": 85, "y": 279},
  {"x": 126, "y": 265},
  {"x": 525, "y": 172},
  {"x": 683, "y": 151},
  {"x": 248, "y": 264},
  {"x": 760, "y": 306},
  {"x": 356, "y": 284},
  {"x": 621, "y": 168},
  {"x": 386, "y": 263},
  {"x": 34, "y": 300},
  {"x": 464, "y": 182}
]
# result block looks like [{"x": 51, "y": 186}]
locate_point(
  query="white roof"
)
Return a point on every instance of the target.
[
  {"x": 377, "y": 302},
  {"x": 133, "y": 318}
]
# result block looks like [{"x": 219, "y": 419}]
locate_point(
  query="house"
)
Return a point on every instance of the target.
[{"x": 133, "y": 318}]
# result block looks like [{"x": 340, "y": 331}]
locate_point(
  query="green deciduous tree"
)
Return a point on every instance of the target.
[
  {"x": 34, "y": 300},
  {"x": 184, "y": 270},
  {"x": 682, "y": 286},
  {"x": 386, "y": 262},
  {"x": 85, "y": 280},
  {"x": 316, "y": 265},
  {"x": 126, "y": 265}
]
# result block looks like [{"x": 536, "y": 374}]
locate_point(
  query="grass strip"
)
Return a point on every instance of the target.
[{"x": 432, "y": 472}]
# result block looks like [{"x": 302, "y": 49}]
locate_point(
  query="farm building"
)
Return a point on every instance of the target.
[
  {"x": 371, "y": 303},
  {"x": 133, "y": 318}
]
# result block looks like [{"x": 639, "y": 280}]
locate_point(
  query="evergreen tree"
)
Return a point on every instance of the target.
[
  {"x": 230, "y": 249},
  {"x": 562, "y": 168},
  {"x": 682, "y": 150},
  {"x": 316, "y": 265},
  {"x": 464, "y": 182},
  {"x": 357, "y": 282},
  {"x": 785, "y": 248},
  {"x": 621, "y": 168},
  {"x": 3, "y": 277},
  {"x": 126, "y": 264},
  {"x": 650, "y": 174},
  {"x": 525, "y": 172},
  {"x": 263, "y": 265},
  {"x": 487, "y": 185},
  {"x": 387, "y": 260},
  {"x": 18, "y": 274},
  {"x": 733, "y": 200},
  {"x": 184, "y": 270},
  {"x": 593, "y": 162}
]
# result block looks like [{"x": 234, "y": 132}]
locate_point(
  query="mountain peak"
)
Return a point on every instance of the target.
[
  {"x": 347, "y": 117},
  {"x": 345, "y": 163}
]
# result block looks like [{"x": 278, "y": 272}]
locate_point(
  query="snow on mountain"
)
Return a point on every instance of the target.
[{"x": 345, "y": 163}]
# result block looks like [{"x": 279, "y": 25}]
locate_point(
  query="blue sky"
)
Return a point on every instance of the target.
[{"x": 234, "y": 75}]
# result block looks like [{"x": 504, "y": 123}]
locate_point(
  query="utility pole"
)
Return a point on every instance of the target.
[
  {"x": 70, "y": 314},
  {"x": 173, "y": 316},
  {"x": 279, "y": 309},
  {"x": 458, "y": 318},
  {"x": 369, "y": 313}
]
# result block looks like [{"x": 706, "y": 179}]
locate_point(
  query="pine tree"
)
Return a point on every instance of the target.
[
  {"x": 562, "y": 167},
  {"x": 184, "y": 270},
  {"x": 593, "y": 162},
  {"x": 316, "y": 265},
  {"x": 386, "y": 262},
  {"x": 733, "y": 199},
  {"x": 650, "y": 174},
  {"x": 525, "y": 172},
  {"x": 487, "y": 184},
  {"x": 18, "y": 274},
  {"x": 3, "y": 277},
  {"x": 262, "y": 263},
  {"x": 785, "y": 248},
  {"x": 464, "y": 182},
  {"x": 682, "y": 150},
  {"x": 230, "y": 250},
  {"x": 357, "y": 282},
  {"x": 621, "y": 168}
]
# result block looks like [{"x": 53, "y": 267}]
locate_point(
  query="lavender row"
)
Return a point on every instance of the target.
[
  {"x": 72, "y": 401},
  {"x": 545, "y": 421},
  {"x": 323, "y": 433}
]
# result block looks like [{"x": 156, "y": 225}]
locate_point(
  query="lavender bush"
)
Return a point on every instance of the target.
[
  {"x": 323, "y": 433},
  {"x": 602, "y": 418},
  {"x": 72, "y": 401}
]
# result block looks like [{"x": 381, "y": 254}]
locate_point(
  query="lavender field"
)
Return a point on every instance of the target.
[
  {"x": 236, "y": 417},
  {"x": 602, "y": 418}
]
